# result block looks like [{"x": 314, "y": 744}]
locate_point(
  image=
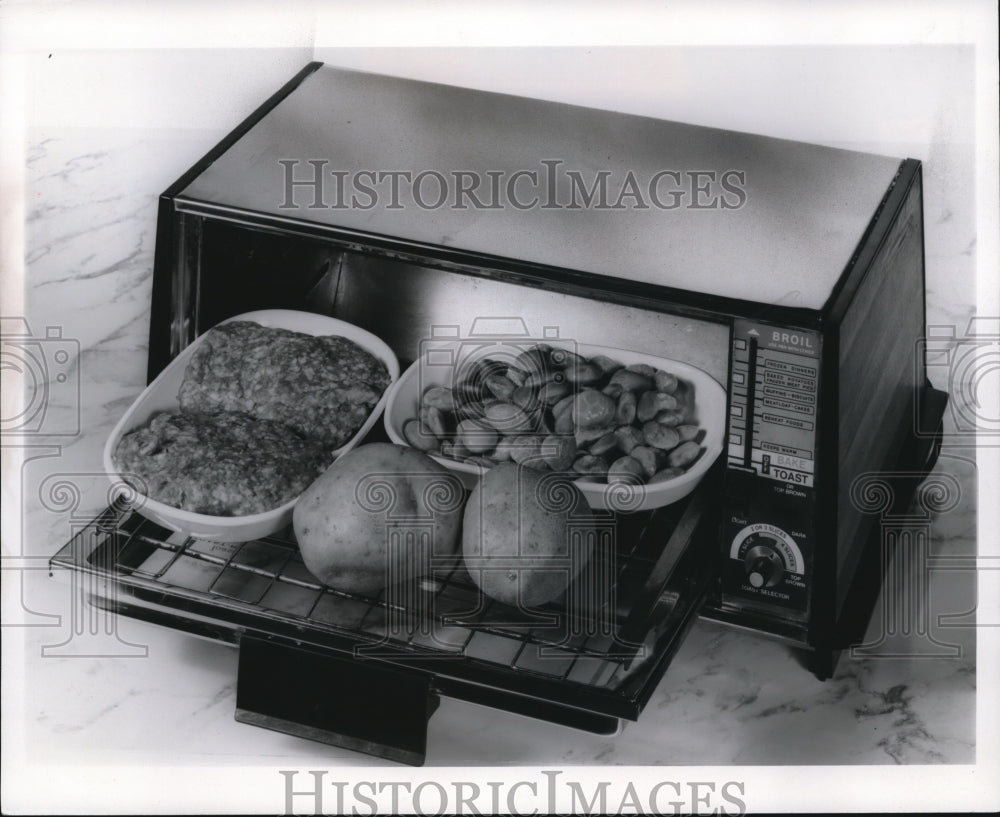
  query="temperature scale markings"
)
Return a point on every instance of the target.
[
  {"x": 774, "y": 401},
  {"x": 751, "y": 396}
]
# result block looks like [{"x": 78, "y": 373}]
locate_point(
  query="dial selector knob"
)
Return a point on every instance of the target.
[{"x": 763, "y": 565}]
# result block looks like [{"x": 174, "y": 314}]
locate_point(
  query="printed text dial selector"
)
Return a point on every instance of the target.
[{"x": 768, "y": 554}]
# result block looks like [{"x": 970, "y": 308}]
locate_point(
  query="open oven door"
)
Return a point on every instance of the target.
[{"x": 366, "y": 672}]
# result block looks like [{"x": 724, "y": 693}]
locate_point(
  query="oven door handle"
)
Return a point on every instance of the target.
[{"x": 359, "y": 704}]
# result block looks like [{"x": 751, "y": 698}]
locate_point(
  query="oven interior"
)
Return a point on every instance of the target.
[{"x": 586, "y": 665}]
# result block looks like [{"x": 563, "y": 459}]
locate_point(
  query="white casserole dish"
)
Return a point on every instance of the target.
[
  {"x": 161, "y": 395},
  {"x": 432, "y": 369}
]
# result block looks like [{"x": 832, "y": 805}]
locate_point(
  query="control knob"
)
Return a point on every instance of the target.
[{"x": 764, "y": 566}]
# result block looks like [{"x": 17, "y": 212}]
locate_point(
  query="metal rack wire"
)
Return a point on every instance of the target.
[{"x": 440, "y": 624}]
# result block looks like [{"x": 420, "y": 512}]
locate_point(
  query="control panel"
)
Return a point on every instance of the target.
[{"x": 771, "y": 470}]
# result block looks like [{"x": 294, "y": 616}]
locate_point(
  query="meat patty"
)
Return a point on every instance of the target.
[
  {"x": 224, "y": 464},
  {"x": 323, "y": 387}
]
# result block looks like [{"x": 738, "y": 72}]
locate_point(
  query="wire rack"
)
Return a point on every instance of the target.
[{"x": 604, "y": 659}]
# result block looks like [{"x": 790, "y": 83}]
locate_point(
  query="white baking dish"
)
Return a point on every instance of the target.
[
  {"x": 710, "y": 404},
  {"x": 161, "y": 395}
]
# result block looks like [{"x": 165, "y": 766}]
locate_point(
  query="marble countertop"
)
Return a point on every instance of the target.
[{"x": 151, "y": 697}]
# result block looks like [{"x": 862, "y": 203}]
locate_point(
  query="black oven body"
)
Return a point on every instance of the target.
[
  {"x": 827, "y": 402},
  {"x": 824, "y": 403}
]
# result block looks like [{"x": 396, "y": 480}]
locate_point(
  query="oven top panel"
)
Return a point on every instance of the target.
[{"x": 701, "y": 209}]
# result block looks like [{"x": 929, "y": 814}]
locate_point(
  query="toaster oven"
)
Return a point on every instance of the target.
[{"x": 791, "y": 273}]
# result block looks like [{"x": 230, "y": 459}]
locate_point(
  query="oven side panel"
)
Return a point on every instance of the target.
[{"x": 880, "y": 380}]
